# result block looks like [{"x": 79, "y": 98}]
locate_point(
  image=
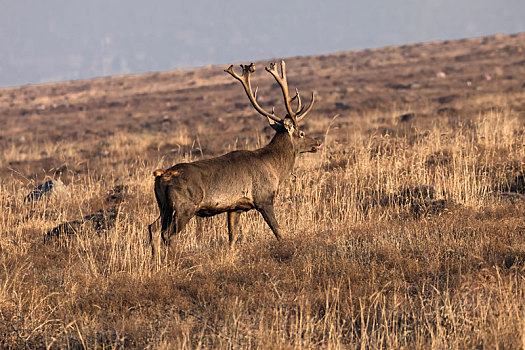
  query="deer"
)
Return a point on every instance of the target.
[{"x": 238, "y": 181}]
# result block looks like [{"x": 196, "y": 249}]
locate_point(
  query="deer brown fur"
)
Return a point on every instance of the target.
[{"x": 238, "y": 181}]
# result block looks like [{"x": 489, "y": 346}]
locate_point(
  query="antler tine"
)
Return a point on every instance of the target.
[
  {"x": 299, "y": 105},
  {"x": 247, "y": 70},
  {"x": 270, "y": 120},
  {"x": 283, "y": 83},
  {"x": 302, "y": 113}
]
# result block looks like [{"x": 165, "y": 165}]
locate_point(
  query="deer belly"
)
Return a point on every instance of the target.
[{"x": 216, "y": 207}]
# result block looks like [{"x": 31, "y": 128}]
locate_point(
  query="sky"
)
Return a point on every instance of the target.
[{"x": 60, "y": 40}]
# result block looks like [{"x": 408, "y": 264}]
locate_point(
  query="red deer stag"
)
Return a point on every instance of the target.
[{"x": 237, "y": 181}]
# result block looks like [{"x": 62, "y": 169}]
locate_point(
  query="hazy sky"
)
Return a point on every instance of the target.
[{"x": 55, "y": 40}]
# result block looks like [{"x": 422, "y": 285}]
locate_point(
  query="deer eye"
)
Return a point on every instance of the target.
[{"x": 301, "y": 133}]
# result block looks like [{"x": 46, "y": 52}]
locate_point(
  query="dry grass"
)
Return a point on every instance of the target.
[{"x": 400, "y": 235}]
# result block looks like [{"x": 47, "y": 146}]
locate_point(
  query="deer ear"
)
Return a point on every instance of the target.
[
  {"x": 289, "y": 125},
  {"x": 275, "y": 126}
]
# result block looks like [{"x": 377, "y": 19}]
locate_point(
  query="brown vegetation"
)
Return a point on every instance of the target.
[{"x": 402, "y": 232}]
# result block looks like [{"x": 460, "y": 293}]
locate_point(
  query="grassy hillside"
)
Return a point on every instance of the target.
[{"x": 405, "y": 231}]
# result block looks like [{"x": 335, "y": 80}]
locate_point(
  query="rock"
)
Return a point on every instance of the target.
[
  {"x": 447, "y": 99},
  {"x": 515, "y": 183},
  {"x": 450, "y": 111},
  {"x": 407, "y": 117},
  {"x": 395, "y": 86},
  {"x": 117, "y": 194},
  {"x": 512, "y": 197},
  {"x": 48, "y": 187},
  {"x": 100, "y": 220},
  {"x": 418, "y": 200}
]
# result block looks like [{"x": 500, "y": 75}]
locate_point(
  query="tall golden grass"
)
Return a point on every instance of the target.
[{"x": 410, "y": 237}]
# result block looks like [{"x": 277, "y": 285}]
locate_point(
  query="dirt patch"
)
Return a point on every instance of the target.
[{"x": 418, "y": 200}]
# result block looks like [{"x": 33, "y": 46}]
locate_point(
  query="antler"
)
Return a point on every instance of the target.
[
  {"x": 296, "y": 115},
  {"x": 247, "y": 70},
  {"x": 299, "y": 113}
]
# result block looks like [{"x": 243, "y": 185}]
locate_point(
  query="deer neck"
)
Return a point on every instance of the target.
[{"x": 281, "y": 152}]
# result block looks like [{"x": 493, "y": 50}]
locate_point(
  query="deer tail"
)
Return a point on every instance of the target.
[
  {"x": 158, "y": 172},
  {"x": 166, "y": 175}
]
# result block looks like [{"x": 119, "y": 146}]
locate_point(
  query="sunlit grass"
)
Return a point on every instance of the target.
[{"x": 405, "y": 240}]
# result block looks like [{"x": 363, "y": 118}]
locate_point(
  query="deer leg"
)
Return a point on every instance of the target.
[
  {"x": 167, "y": 225},
  {"x": 269, "y": 216},
  {"x": 155, "y": 243},
  {"x": 233, "y": 221},
  {"x": 180, "y": 219},
  {"x": 151, "y": 231},
  {"x": 156, "y": 238},
  {"x": 151, "y": 228}
]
